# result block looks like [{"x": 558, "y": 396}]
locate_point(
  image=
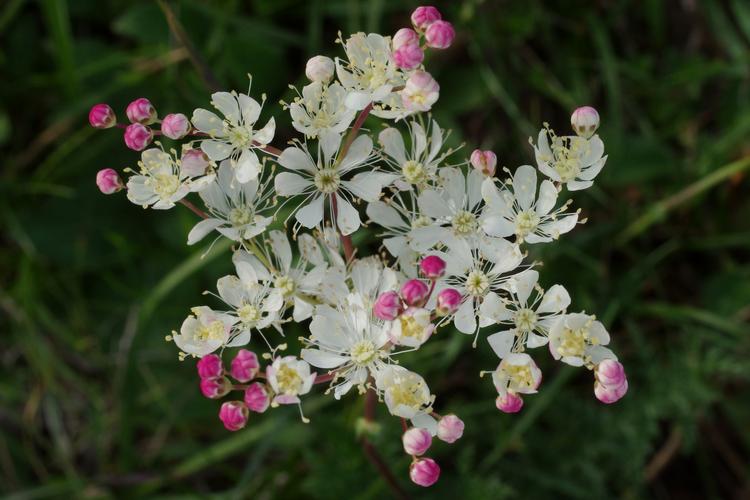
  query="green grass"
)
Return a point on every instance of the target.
[{"x": 93, "y": 401}]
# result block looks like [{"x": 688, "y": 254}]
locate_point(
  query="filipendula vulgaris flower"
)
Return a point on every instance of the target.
[
  {"x": 237, "y": 211},
  {"x": 320, "y": 108},
  {"x": 515, "y": 209},
  {"x": 407, "y": 395},
  {"x": 578, "y": 339},
  {"x": 571, "y": 160},
  {"x": 289, "y": 378},
  {"x": 516, "y": 374},
  {"x": 324, "y": 180},
  {"x": 161, "y": 182},
  {"x": 234, "y": 137},
  {"x": 530, "y": 318},
  {"x": 203, "y": 332}
]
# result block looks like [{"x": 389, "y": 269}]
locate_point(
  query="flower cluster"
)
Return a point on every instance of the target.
[{"x": 454, "y": 236}]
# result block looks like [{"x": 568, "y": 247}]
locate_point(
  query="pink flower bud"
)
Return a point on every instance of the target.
[
  {"x": 175, "y": 126},
  {"x": 257, "y": 398},
  {"x": 440, "y": 34},
  {"x": 420, "y": 92},
  {"x": 608, "y": 394},
  {"x": 415, "y": 292},
  {"x": 320, "y": 69},
  {"x": 108, "y": 181},
  {"x": 387, "y": 306},
  {"x": 424, "y": 16},
  {"x": 450, "y": 428},
  {"x": 416, "y": 441},
  {"x": 510, "y": 402},
  {"x": 448, "y": 301},
  {"x": 405, "y": 36},
  {"x": 234, "y": 415},
  {"x": 141, "y": 111},
  {"x": 215, "y": 388},
  {"x": 424, "y": 472},
  {"x": 610, "y": 373},
  {"x": 102, "y": 116},
  {"x": 408, "y": 56},
  {"x": 484, "y": 161},
  {"x": 209, "y": 366},
  {"x": 245, "y": 366},
  {"x": 194, "y": 162},
  {"x": 432, "y": 267},
  {"x": 585, "y": 121},
  {"x": 138, "y": 136}
]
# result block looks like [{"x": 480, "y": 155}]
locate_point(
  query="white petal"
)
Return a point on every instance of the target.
[
  {"x": 207, "y": 122},
  {"x": 393, "y": 144},
  {"x": 433, "y": 205},
  {"x": 579, "y": 185},
  {"x": 322, "y": 359},
  {"x": 358, "y": 152},
  {"x": 201, "y": 229},
  {"x": 311, "y": 214},
  {"x": 368, "y": 185},
  {"x": 556, "y": 299},
  {"x": 385, "y": 215},
  {"x": 289, "y": 184},
  {"x": 524, "y": 186},
  {"x": 296, "y": 159},
  {"x": 248, "y": 167},
  {"x": 282, "y": 249},
  {"x": 330, "y": 142},
  {"x": 547, "y": 198},
  {"x": 249, "y": 108},
  {"x": 216, "y": 150},
  {"x": 347, "y": 218},
  {"x": 227, "y": 104},
  {"x": 243, "y": 338},
  {"x": 265, "y": 135},
  {"x": 493, "y": 308},
  {"x": 465, "y": 320},
  {"x": 522, "y": 284},
  {"x": 502, "y": 342},
  {"x": 497, "y": 225},
  {"x": 246, "y": 273}
]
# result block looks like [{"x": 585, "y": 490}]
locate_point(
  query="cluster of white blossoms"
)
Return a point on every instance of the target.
[{"x": 454, "y": 235}]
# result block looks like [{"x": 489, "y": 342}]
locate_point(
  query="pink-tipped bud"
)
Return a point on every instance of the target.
[
  {"x": 450, "y": 428},
  {"x": 448, "y": 301},
  {"x": 257, "y": 398},
  {"x": 610, "y": 373},
  {"x": 209, "y": 366},
  {"x": 440, "y": 34},
  {"x": 138, "y": 136},
  {"x": 609, "y": 394},
  {"x": 432, "y": 267},
  {"x": 420, "y": 92},
  {"x": 108, "y": 181},
  {"x": 416, "y": 441},
  {"x": 175, "y": 126},
  {"x": 387, "y": 306},
  {"x": 141, "y": 111},
  {"x": 233, "y": 415},
  {"x": 408, "y": 56},
  {"x": 320, "y": 69},
  {"x": 424, "y": 472},
  {"x": 415, "y": 292},
  {"x": 585, "y": 121},
  {"x": 194, "y": 162},
  {"x": 245, "y": 366},
  {"x": 484, "y": 162},
  {"x": 510, "y": 402},
  {"x": 405, "y": 36},
  {"x": 215, "y": 388},
  {"x": 102, "y": 116},
  {"x": 423, "y": 16}
]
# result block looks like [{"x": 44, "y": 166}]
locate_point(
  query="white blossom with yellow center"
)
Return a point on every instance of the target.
[
  {"x": 204, "y": 331},
  {"x": 579, "y": 339},
  {"x": 321, "y": 108},
  {"x": 289, "y": 379},
  {"x": 571, "y": 160},
  {"x": 517, "y": 372}
]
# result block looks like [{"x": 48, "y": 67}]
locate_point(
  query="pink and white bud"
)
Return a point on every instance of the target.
[
  {"x": 405, "y": 36},
  {"x": 424, "y": 472},
  {"x": 102, "y": 116},
  {"x": 141, "y": 111},
  {"x": 420, "y": 92},
  {"x": 108, "y": 181},
  {"x": 484, "y": 162},
  {"x": 138, "y": 136},
  {"x": 233, "y": 415},
  {"x": 510, "y": 402},
  {"x": 448, "y": 301},
  {"x": 585, "y": 121},
  {"x": 387, "y": 306},
  {"x": 175, "y": 126},
  {"x": 245, "y": 366},
  {"x": 432, "y": 267},
  {"x": 320, "y": 69},
  {"x": 209, "y": 366},
  {"x": 609, "y": 394},
  {"x": 425, "y": 15},
  {"x": 610, "y": 373},
  {"x": 416, "y": 441},
  {"x": 215, "y": 388},
  {"x": 194, "y": 162},
  {"x": 257, "y": 398},
  {"x": 408, "y": 57},
  {"x": 440, "y": 34},
  {"x": 450, "y": 428},
  {"x": 415, "y": 292}
]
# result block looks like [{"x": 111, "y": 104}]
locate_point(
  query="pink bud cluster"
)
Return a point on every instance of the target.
[
  {"x": 425, "y": 471},
  {"x": 611, "y": 382},
  {"x": 408, "y": 51}
]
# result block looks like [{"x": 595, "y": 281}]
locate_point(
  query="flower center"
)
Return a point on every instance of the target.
[
  {"x": 212, "y": 331},
  {"x": 239, "y": 216},
  {"x": 414, "y": 172},
  {"x": 464, "y": 222},
  {"x": 408, "y": 394},
  {"x": 573, "y": 341},
  {"x": 411, "y": 327},
  {"x": 526, "y": 222},
  {"x": 285, "y": 285},
  {"x": 525, "y": 320},
  {"x": 288, "y": 380},
  {"x": 248, "y": 314},
  {"x": 567, "y": 168},
  {"x": 240, "y": 137},
  {"x": 327, "y": 180},
  {"x": 165, "y": 185},
  {"x": 520, "y": 376},
  {"x": 477, "y": 283},
  {"x": 363, "y": 352}
]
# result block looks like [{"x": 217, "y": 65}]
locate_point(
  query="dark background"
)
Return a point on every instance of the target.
[{"x": 94, "y": 403}]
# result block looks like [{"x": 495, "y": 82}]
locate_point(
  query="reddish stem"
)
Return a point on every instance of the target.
[
  {"x": 326, "y": 377},
  {"x": 197, "y": 211}
]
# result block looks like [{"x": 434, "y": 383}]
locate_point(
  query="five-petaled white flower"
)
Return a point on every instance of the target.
[
  {"x": 204, "y": 331},
  {"x": 578, "y": 339},
  {"x": 518, "y": 373},
  {"x": 407, "y": 396},
  {"x": 570, "y": 160},
  {"x": 289, "y": 378},
  {"x": 321, "y": 108}
]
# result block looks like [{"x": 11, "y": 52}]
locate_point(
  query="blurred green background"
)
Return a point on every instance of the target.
[{"x": 94, "y": 403}]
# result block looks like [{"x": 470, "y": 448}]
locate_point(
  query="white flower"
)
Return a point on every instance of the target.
[
  {"x": 204, "y": 331},
  {"x": 237, "y": 210},
  {"x": 578, "y": 339},
  {"x": 517, "y": 372},
  {"x": 161, "y": 182},
  {"x": 412, "y": 328},
  {"x": 349, "y": 340},
  {"x": 420, "y": 92},
  {"x": 368, "y": 280},
  {"x": 321, "y": 108},
  {"x": 234, "y": 137},
  {"x": 323, "y": 180},
  {"x": 530, "y": 319},
  {"x": 405, "y": 393},
  {"x": 521, "y": 212},
  {"x": 571, "y": 160},
  {"x": 398, "y": 216},
  {"x": 289, "y": 378}
]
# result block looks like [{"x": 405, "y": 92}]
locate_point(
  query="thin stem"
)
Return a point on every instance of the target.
[{"x": 197, "y": 211}]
